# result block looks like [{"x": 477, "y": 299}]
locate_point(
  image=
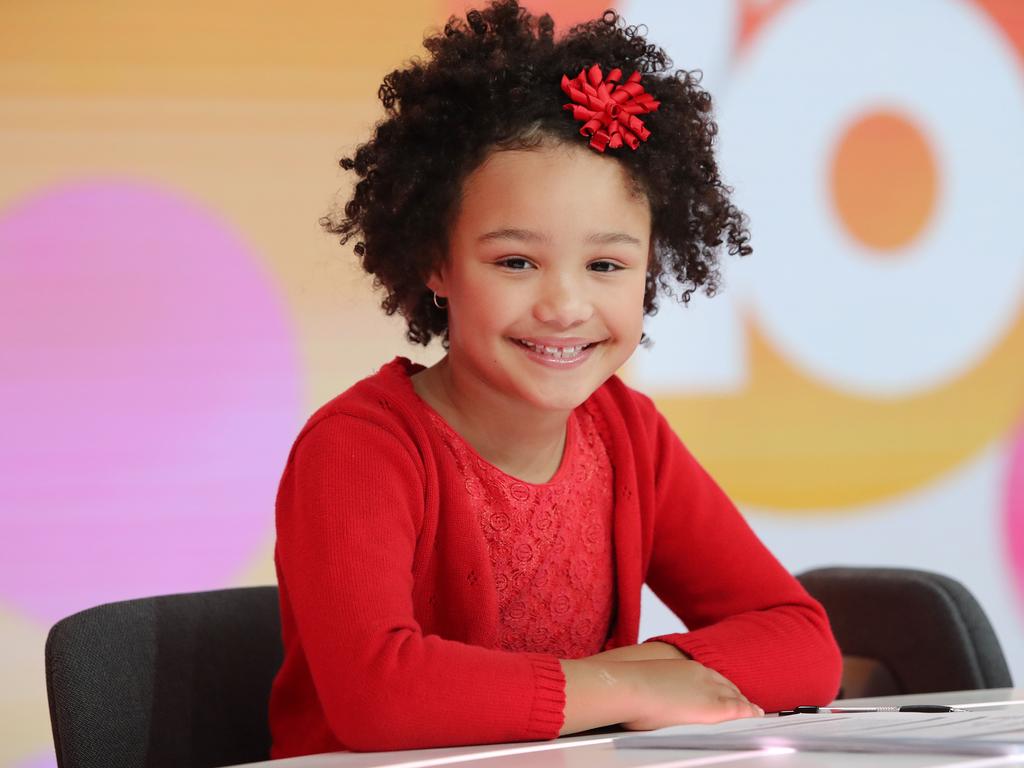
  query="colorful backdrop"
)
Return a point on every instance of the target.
[{"x": 170, "y": 311}]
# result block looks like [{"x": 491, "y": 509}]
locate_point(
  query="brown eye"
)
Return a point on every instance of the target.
[
  {"x": 515, "y": 263},
  {"x": 604, "y": 266}
]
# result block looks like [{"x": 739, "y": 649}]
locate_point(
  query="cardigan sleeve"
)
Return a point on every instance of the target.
[
  {"x": 349, "y": 514},
  {"x": 748, "y": 617}
]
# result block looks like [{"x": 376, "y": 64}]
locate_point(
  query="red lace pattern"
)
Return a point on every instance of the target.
[{"x": 550, "y": 544}]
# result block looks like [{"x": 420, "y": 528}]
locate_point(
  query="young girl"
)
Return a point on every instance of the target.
[{"x": 461, "y": 548}]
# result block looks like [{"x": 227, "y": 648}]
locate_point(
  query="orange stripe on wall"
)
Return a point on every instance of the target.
[
  {"x": 1009, "y": 17},
  {"x": 315, "y": 50}
]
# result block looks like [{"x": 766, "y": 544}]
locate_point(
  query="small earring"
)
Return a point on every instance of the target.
[{"x": 438, "y": 304}]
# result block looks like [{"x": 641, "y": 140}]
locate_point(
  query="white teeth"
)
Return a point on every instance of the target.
[{"x": 557, "y": 353}]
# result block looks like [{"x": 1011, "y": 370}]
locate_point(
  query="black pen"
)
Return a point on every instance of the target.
[{"x": 927, "y": 708}]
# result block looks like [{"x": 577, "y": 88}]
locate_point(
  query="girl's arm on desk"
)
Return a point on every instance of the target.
[{"x": 649, "y": 686}]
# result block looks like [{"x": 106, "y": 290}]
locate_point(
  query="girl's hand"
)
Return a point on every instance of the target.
[{"x": 676, "y": 691}]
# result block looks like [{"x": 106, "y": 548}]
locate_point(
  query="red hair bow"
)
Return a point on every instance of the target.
[{"x": 609, "y": 110}]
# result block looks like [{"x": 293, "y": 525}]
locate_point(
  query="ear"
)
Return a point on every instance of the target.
[{"x": 437, "y": 282}]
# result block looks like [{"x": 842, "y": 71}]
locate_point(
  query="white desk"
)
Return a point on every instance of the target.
[{"x": 600, "y": 752}]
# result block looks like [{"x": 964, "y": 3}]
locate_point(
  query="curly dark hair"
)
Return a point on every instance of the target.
[{"x": 493, "y": 82}]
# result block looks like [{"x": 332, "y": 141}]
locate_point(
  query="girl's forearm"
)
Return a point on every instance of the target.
[
  {"x": 603, "y": 689},
  {"x": 642, "y": 652},
  {"x": 598, "y": 693}
]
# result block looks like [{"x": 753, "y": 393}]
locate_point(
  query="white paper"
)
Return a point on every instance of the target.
[{"x": 977, "y": 733}]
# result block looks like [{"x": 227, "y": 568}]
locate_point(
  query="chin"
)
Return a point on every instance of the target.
[{"x": 567, "y": 399}]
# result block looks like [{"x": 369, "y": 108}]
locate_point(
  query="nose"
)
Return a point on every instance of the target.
[{"x": 561, "y": 302}]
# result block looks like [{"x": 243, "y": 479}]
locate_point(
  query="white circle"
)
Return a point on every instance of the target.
[
  {"x": 913, "y": 319},
  {"x": 696, "y": 34},
  {"x": 699, "y": 348}
]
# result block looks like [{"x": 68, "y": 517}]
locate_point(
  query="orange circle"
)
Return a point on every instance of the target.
[{"x": 884, "y": 180}]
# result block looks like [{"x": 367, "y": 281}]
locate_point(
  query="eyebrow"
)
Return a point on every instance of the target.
[{"x": 526, "y": 236}]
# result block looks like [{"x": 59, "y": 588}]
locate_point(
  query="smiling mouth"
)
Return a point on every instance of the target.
[{"x": 556, "y": 353}]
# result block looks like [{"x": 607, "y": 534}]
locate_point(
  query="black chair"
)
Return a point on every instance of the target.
[
  {"x": 184, "y": 680},
  {"x": 180, "y": 680},
  {"x": 907, "y": 631}
]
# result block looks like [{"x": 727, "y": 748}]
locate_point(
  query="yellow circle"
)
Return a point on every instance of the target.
[{"x": 790, "y": 443}]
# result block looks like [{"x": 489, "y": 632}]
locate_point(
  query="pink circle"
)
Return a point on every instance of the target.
[
  {"x": 1015, "y": 512},
  {"x": 149, "y": 392},
  {"x": 47, "y": 759}
]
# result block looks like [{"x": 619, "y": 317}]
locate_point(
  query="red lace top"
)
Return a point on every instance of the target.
[{"x": 550, "y": 545}]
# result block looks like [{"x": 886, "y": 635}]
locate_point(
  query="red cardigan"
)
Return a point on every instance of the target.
[{"x": 389, "y": 610}]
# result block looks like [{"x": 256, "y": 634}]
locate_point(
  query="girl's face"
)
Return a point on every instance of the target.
[{"x": 545, "y": 275}]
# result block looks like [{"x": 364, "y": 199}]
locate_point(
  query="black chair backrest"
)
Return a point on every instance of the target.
[
  {"x": 180, "y": 680},
  {"x": 907, "y": 631}
]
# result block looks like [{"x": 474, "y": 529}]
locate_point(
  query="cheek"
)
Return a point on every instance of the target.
[
  {"x": 624, "y": 313},
  {"x": 634, "y": 322},
  {"x": 632, "y": 304},
  {"x": 482, "y": 304},
  {"x": 636, "y": 310}
]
